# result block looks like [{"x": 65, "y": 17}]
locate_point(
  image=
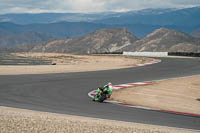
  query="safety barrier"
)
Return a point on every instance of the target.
[
  {"x": 191, "y": 54},
  {"x": 146, "y": 53},
  {"x": 154, "y": 54}
]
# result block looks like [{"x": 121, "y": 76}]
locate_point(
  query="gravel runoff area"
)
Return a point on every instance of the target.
[
  {"x": 178, "y": 94},
  {"x": 71, "y": 63},
  {"x": 14, "y": 120}
]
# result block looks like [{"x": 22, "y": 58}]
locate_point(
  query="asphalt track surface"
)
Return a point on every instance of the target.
[{"x": 67, "y": 93}]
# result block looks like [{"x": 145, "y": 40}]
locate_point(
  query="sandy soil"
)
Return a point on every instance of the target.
[
  {"x": 179, "y": 95},
  {"x": 72, "y": 63},
  {"x": 26, "y": 121}
]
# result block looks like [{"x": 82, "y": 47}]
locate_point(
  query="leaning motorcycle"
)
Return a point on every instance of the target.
[{"x": 102, "y": 96}]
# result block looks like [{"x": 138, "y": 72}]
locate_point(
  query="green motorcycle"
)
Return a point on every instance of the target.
[{"x": 103, "y": 93}]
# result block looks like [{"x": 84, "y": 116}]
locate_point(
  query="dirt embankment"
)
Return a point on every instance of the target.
[{"x": 179, "y": 95}]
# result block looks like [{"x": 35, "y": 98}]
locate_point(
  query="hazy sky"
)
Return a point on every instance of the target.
[{"x": 37, "y": 6}]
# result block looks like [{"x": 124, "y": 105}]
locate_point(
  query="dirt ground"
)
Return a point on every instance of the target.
[
  {"x": 27, "y": 121},
  {"x": 179, "y": 95},
  {"x": 72, "y": 63}
]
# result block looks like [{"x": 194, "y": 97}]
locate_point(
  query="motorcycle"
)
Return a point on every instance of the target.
[{"x": 102, "y": 96}]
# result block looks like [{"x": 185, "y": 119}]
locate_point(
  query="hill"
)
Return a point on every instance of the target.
[
  {"x": 58, "y": 30},
  {"x": 104, "y": 40},
  {"x": 166, "y": 40},
  {"x": 10, "y": 41},
  {"x": 196, "y": 33},
  {"x": 117, "y": 40}
]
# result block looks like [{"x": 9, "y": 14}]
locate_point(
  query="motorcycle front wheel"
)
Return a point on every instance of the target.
[{"x": 102, "y": 98}]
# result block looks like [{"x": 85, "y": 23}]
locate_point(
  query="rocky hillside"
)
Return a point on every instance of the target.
[
  {"x": 105, "y": 40},
  {"x": 166, "y": 40},
  {"x": 13, "y": 40},
  {"x": 196, "y": 33},
  {"x": 119, "y": 39}
]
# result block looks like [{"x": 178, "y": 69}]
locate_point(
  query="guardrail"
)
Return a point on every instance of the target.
[
  {"x": 190, "y": 54},
  {"x": 154, "y": 54},
  {"x": 162, "y": 54},
  {"x": 146, "y": 53},
  {"x": 108, "y": 53}
]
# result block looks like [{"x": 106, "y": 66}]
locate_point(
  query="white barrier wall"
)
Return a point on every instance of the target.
[{"x": 146, "y": 53}]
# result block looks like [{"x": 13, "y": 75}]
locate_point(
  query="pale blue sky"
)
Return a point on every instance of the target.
[{"x": 88, "y": 6}]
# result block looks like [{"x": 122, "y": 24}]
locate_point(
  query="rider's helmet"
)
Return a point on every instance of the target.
[
  {"x": 109, "y": 83},
  {"x": 110, "y": 86}
]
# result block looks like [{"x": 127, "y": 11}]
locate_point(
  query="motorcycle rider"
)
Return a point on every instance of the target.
[{"x": 108, "y": 87}]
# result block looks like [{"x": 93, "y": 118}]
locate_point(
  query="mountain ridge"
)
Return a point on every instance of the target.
[
  {"x": 28, "y": 18},
  {"x": 139, "y": 23},
  {"x": 12, "y": 40},
  {"x": 104, "y": 40},
  {"x": 196, "y": 33},
  {"x": 165, "y": 40},
  {"x": 120, "y": 39},
  {"x": 186, "y": 16}
]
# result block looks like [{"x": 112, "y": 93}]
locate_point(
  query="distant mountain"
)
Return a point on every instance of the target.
[
  {"x": 119, "y": 39},
  {"x": 77, "y": 29},
  {"x": 166, "y": 40},
  {"x": 10, "y": 28},
  {"x": 157, "y": 16},
  {"x": 142, "y": 30},
  {"x": 58, "y": 30},
  {"x": 44, "y": 18},
  {"x": 196, "y": 33},
  {"x": 26, "y": 38},
  {"x": 72, "y": 29},
  {"x": 187, "y": 16},
  {"x": 26, "y": 18},
  {"x": 67, "y": 25},
  {"x": 105, "y": 40},
  {"x": 155, "y": 11}
]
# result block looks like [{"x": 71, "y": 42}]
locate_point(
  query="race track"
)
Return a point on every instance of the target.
[{"x": 67, "y": 93}]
